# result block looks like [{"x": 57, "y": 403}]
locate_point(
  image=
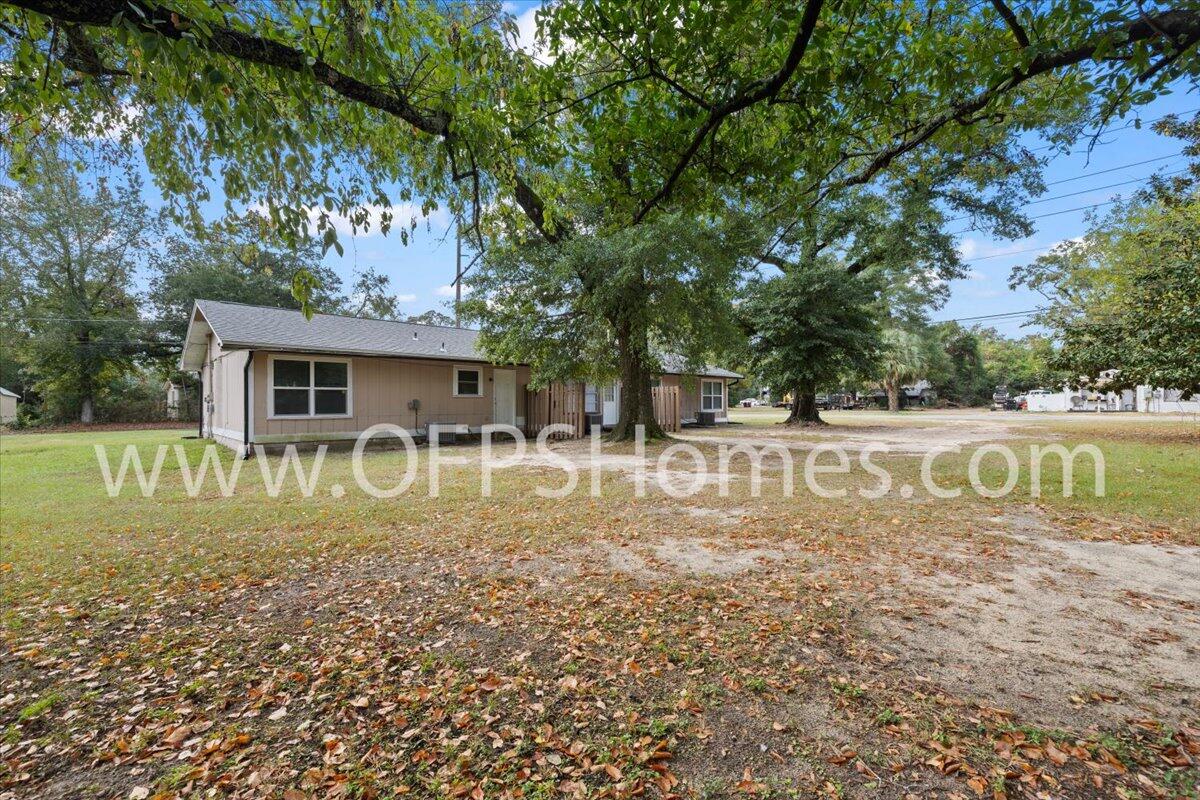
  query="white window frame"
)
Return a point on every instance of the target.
[
  {"x": 312, "y": 390},
  {"x": 705, "y": 395},
  {"x": 454, "y": 381}
]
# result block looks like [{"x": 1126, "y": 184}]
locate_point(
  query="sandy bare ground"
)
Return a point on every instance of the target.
[
  {"x": 1068, "y": 634},
  {"x": 1071, "y": 634}
]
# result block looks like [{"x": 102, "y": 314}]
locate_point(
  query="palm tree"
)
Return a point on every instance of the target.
[{"x": 903, "y": 361}]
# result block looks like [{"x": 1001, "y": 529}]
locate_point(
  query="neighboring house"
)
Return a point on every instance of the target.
[
  {"x": 271, "y": 376},
  {"x": 920, "y": 393},
  {"x": 1165, "y": 401},
  {"x": 8, "y": 406}
]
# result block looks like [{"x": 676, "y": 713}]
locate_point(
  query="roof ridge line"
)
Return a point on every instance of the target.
[{"x": 340, "y": 316}]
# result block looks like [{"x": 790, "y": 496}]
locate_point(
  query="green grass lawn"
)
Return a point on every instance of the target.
[{"x": 521, "y": 646}]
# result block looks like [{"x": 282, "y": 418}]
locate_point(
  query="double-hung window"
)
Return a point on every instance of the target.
[
  {"x": 468, "y": 382},
  {"x": 711, "y": 396},
  {"x": 309, "y": 387}
]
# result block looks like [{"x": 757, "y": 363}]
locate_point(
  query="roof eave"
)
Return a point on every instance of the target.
[{"x": 195, "y": 341}]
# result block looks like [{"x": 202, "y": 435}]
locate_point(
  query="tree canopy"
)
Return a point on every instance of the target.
[
  {"x": 68, "y": 256},
  {"x": 327, "y": 104},
  {"x": 809, "y": 328},
  {"x": 377, "y": 111}
]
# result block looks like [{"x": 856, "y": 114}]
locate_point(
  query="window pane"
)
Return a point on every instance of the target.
[
  {"x": 332, "y": 373},
  {"x": 468, "y": 381},
  {"x": 331, "y": 401},
  {"x": 291, "y": 373},
  {"x": 291, "y": 401}
]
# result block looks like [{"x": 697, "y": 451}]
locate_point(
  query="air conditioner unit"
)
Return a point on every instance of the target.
[
  {"x": 446, "y": 433},
  {"x": 706, "y": 418}
]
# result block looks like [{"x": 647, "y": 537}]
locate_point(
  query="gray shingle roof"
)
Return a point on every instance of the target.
[
  {"x": 240, "y": 326},
  {"x": 263, "y": 327},
  {"x": 675, "y": 365}
]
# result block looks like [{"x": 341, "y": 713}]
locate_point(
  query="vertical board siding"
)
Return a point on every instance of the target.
[{"x": 380, "y": 391}]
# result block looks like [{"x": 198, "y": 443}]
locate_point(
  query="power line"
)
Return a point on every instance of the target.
[
  {"x": 1090, "y": 190},
  {"x": 1010, "y": 253},
  {"x": 1108, "y": 186},
  {"x": 1011, "y": 316},
  {"x": 1126, "y": 126},
  {"x": 1114, "y": 169},
  {"x": 1051, "y": 214}
]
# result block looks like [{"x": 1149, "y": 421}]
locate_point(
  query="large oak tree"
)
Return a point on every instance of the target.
[{"x": 642, "y": 109}]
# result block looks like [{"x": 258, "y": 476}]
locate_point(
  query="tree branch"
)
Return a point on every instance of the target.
[
  {"x": 240, "y": 45},
  {"x": 243, "y": 46},
  {"x": 1013, "y": 23},
  {"x": 1183, "y": 28},
  {"x": 755, "y": 92}
]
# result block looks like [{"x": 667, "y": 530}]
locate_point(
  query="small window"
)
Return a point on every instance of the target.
[
  {"x": 468, "y": 382},
  {"x": 711, "y": 396},
  {"x": 610, "y": 393},
  {"x": 308, "y": 388}
]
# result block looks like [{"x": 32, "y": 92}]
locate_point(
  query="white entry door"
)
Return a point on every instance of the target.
[
  {"x": 612, "y": 403},
  {"x": 504, "y": 396}
]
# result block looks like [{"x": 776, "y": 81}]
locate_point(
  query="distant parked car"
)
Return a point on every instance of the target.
[
  {"x": 1002, "y": 400},
  {"x": 749, "y": 402}
]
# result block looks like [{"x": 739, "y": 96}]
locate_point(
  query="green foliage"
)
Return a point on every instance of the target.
[
  {"x": 69, "y": 255},
  {"x": 905, "y": 358},
  {"x": 965, "y": 365},
  {"x": 1126, "y": 296},
  {"x": 570, "y": 309},
  {"x": 431, "y": 317},
  {"x": 355, "y": 108},
  {"x": 234, "y": 260},
  {"x": 811, "y": 326}
]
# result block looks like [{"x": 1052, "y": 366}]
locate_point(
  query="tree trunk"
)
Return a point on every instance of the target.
[
  {"x": 637, "y": 406},
  {"x": 893, "y": 394},
  {"x": 87, "y": 408},
  {"x": 804, "y": 407}
]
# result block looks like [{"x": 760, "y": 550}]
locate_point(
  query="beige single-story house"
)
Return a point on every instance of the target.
[
  {"x": 8, "y": 406},
  {"x": 268, "y": 376}
]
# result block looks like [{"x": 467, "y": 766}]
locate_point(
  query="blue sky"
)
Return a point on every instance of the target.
[
  {"x": 1073, "y": 181},
  {"x": 422, "y": 271}
]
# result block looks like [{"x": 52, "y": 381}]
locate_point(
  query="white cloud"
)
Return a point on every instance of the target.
[
  {"x": 969, "y": 248},
  {"x": 403, "y": 215},
  {"x": 405, "y": 298},
  {"x": 526, "y": 40},
  {"x": 975, "y": 275},
  {"x": 448, "y": 290},
  {"x": 526, "y": 37}
]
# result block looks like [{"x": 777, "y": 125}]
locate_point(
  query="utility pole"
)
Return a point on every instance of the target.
[{"x": 457, "y": 268}]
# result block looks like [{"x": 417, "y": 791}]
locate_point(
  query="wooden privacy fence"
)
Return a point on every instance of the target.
[
  {"x": 562, "y": 404},
  {"x": 666, "y": 407},
  {"x": 558, "y": 403}
]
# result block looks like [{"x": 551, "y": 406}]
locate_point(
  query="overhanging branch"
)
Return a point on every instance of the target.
[{"x": 756, "y": 92}]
